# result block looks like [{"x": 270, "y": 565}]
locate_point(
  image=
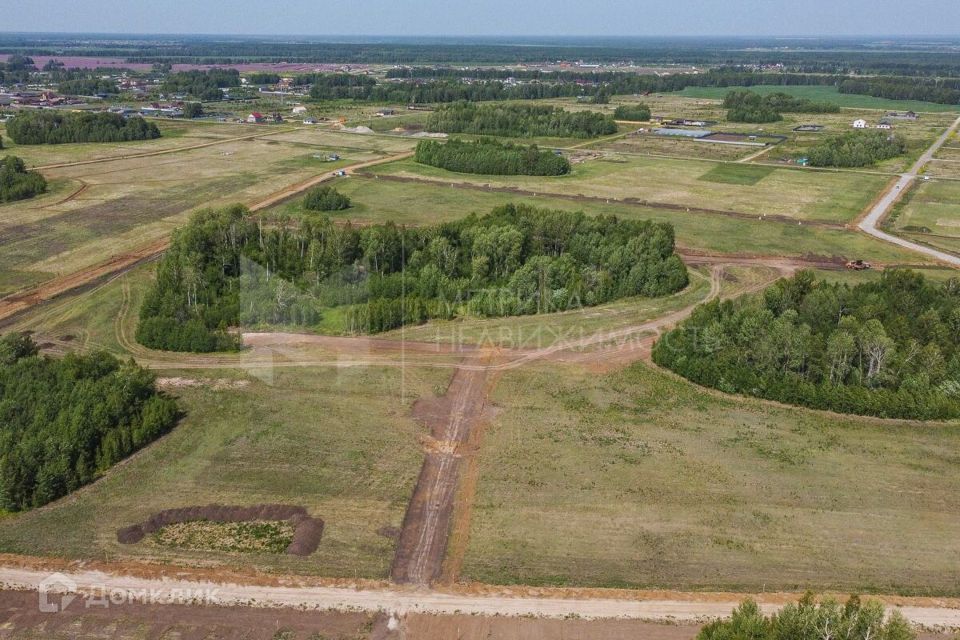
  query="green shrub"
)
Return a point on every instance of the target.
[
  {"x": 16, "y": 183},
  {"x": 633, "y": 112}
]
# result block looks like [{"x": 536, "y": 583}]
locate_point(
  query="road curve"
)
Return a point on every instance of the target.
[{"x": 870, "y": 223}]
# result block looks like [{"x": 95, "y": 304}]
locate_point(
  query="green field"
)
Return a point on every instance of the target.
[
  {"x": 823, "y": 94},
  {"x": 640, "y": 479},
  {"x": 378, "y": 200},
  {"x": 795, "y": 193},
  {"x": 930, "y": 213}
]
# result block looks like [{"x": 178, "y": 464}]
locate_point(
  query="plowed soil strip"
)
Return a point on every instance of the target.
[{"x": 452, "y": 419}]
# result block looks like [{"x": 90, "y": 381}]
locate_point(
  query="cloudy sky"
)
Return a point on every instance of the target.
[{"x": 487, "y": 17}]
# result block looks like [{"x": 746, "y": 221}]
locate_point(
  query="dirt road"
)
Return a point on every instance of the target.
[
  {"x": 452, "y": 419},
  {"x": 402, "y": 601},
  {"x": 870, "y": 223}
]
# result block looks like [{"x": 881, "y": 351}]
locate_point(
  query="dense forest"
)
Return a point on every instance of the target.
[
  {"x": 632, "y": 112},
  {"x": 16, "y": 183},
  {"x": 856, "y": 149},
  {"x": 202, "y": 85},
  {"x": 325, "y": 198},
  {"x": 520, "y": 121},
  {"x": 809, "y": 620},
  {"x": 225, "y": 269},
  {"x": 491, "y": 157},
  {"x": 889, "y": 348},
  {"x": 63, "y": 422},
  {"x": 748, "y": 106},
  {"x": 59, "y": 127}
]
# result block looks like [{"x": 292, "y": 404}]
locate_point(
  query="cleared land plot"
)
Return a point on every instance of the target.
[
  {"x": 661, "y": 145},
  {"x": 379, "y": 200},
  {"x": 108, "y": 208},
  {"x": 175, "y": 135},
  {"x": 638, "y": 478},
  {"x": 800, "y": 194},
  {"x": 930, "y": 213}
]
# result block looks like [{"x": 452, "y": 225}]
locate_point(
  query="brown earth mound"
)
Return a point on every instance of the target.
[{"x": 306, "y": 535}]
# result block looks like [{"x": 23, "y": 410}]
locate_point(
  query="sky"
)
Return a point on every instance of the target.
[{"x": 486, "y": 17}]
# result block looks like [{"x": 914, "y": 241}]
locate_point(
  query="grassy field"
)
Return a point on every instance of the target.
[
  {"x": 796, "y": 193},
  {"x": 293, "y": 437},
  {"x": 640, "y": 479},
  {"x": 824, "y": 94},
  {"x": 377, "y": 200},
  {"x": 97, "y": 210},
  {"x": 930, "y": 213}
]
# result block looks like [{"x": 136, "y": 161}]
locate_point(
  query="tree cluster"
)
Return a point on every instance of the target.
[
  {"x": 491, "y": 157},
  {"x": 519, "y": 121},
  {"x": 335, "y": 86},
  {"x": 202, "y": 85},
  {"x": 325, "y": 198},
  {"x": 16, "y": 183},
  {"x": 632, "y": 112},
  {"x": 225, "y": 269},
  {"x": 192, "y": 110},
  {"x": 809, "y": 620},
  {"x": 889, "y": 348},
  {"x": 59, "y": 127},
  {"x": 65, "y": 422},
  {"x": 856, "y": 149},
  {"x": 87, "y": 87},
  {"x": 748, "y": 106}
]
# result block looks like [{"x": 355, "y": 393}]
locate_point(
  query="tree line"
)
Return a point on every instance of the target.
[
  {"x": 64, "y": 422},
  {"x": 856, "y": 149},
  {"x": 225, "y": 269},
  {"x": 491, "y": 157},
  {"x": 940, "y": 91},
  {"x": 748, "y": 106},
  {"x": 16, "y": 183},
  {"x": 889, "y": 348},
  {"x": 520, "y": 121},
  {"x": 58, "y": 127}
]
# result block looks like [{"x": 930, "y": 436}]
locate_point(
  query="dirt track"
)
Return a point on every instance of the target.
[{"x": 452, "y": 420}]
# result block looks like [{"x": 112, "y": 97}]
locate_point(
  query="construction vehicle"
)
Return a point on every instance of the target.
[{"x": 859, "y": 265}]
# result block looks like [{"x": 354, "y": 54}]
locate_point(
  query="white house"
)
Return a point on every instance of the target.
[
  {"x": 860, "y": 124},
  {"x": 884, "y": 124}
]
